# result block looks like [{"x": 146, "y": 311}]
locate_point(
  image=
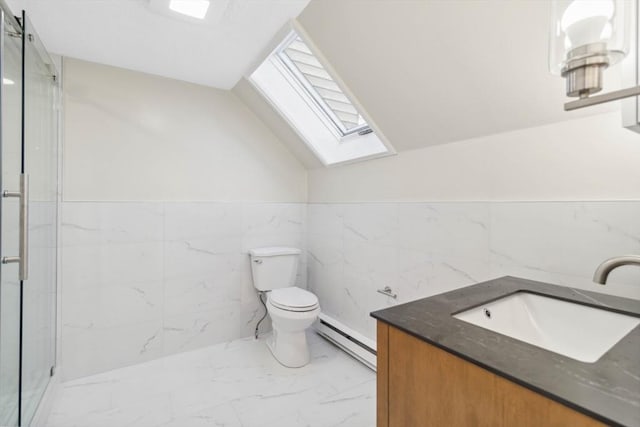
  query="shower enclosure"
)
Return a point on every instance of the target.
[{"x": 28, "y": 218}]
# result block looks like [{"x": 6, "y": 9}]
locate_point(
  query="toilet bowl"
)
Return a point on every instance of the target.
[
  {"x": 292, "y": 310},
  {"x": 291, "y": 315}
]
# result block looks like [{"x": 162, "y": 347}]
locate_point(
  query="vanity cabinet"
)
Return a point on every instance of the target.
[{"x": 422, "y": 385}]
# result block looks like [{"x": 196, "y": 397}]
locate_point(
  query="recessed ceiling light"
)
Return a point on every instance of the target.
[
  {"x": 7, "y": 81},
  {"x": 193, "y": 8}
]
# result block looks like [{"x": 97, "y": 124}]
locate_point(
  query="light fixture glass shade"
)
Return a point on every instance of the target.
[{"x": 596, "y": 31}]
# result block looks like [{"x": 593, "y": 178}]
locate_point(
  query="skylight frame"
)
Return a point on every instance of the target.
[
  {"x": 321, "y": 105},
  {"x": 273, "y": 81}
]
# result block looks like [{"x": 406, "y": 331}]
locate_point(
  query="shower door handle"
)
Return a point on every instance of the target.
[{"x": 23, "y": 257}]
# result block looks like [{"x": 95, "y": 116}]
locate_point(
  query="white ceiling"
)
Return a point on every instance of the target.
[
  {"x": 430, "y": 72},
  {"x": 130, "y": 34},
  {"x": 427, "y": 71}
]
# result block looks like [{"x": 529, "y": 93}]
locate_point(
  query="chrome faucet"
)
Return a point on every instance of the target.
[{"x": 603, "y": 270}]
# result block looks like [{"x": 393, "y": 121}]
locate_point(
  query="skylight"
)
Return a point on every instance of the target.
[
  {"x": 299, "y": 59},
  {"x": 193, "y": 8},
  {"x": 296, "y": 80}
]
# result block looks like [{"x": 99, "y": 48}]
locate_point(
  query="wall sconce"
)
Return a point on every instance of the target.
[{"x": 587, "y": 36}]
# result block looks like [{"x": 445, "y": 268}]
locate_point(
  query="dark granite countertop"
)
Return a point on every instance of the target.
[{"x": 608, "y": 390}]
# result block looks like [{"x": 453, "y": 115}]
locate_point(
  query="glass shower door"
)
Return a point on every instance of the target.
[
  {"x": 41, "y": 164},
  {"x": 28, "y": 219},
  {"x": 11, "y": 167}
]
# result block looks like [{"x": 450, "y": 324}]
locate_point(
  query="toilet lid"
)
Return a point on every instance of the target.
[{"x": 293, "y": 299}]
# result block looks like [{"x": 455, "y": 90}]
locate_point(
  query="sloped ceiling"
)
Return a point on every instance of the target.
[
  {"x": 430, "y": 72},
  {"x": 132, "y": 34},
  {"x": 427, "y": 71}
]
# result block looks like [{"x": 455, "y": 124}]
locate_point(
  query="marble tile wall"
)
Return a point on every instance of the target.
[
  {"x": 144, "y": 280},
  {"x": 422, "y": 249}
]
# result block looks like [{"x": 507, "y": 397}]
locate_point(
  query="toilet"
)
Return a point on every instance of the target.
[{"x": 292, "y": 310}]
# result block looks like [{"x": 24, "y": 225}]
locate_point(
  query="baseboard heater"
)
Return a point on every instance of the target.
[{"x": 354, "y": 343}]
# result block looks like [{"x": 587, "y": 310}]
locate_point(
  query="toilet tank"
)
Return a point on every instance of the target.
[{"x": 274, "y": 267}]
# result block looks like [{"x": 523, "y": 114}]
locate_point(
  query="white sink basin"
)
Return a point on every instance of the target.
[{"x": 574, "y": 330}]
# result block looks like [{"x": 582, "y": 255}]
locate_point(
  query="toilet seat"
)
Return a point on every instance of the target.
[{"x": 293, "y": 299}]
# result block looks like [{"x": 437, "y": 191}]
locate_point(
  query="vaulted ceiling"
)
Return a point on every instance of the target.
[
  {"x": 133, "y": 34},
  {"x": 427, "y": 71},
  {"x": 431, "y": 72}
]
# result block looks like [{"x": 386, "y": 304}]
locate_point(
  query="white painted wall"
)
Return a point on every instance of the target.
[
  {"x": 178, "y": 271},
  {"x": 166, "y": 187},
  {"x": 591, "y": 158},
  {"x": 547, "y": 203},
  {"x": 133, "y": 136},
  {"x": 272, "y": 118}
]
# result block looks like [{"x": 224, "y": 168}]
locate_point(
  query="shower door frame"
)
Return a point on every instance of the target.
[{"x": 10, "y": 27}]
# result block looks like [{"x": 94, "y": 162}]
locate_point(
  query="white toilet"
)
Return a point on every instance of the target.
[{"x": 292, "y": 309}]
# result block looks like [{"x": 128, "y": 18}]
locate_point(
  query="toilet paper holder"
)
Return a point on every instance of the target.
[{"x": 388, "y": 292}]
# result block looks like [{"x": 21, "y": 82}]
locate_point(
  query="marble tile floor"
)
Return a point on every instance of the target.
[{"x": 232, "y": 384}]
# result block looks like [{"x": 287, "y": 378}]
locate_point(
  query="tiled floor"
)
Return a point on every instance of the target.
[{"x": 232, "y": 384}]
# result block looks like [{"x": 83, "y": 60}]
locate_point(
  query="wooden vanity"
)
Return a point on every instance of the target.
[
  {"x": 436, "y": 370},
  {"x": 422, "y": 385}
]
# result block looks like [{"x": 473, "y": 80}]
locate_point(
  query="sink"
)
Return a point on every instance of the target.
[{"x": 574, "y": 330}]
